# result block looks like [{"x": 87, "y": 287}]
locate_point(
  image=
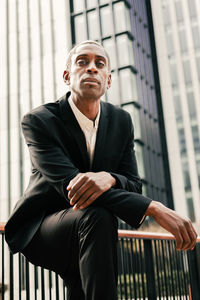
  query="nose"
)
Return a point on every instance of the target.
[{"x": 92, "y": 68}]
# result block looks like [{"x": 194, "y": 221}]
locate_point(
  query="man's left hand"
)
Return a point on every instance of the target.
[{"x": 85, "y": 188}]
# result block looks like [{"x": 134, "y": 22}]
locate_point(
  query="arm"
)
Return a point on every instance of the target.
[{"x": 47, "y": 157}]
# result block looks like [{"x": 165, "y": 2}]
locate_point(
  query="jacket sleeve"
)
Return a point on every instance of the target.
[
  {"x": 127, "y": 176},
  {"x": 46, "y": 156}
]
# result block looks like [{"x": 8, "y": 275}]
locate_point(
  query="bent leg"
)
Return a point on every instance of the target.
[{"x": 81, "y": 247}]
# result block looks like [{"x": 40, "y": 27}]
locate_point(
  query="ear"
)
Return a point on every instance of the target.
[
  {"x": 66, "y": 77},
  {"x": 109, "y": 80}
]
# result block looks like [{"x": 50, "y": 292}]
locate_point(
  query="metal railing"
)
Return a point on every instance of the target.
[{"x": 149, "y": 267}]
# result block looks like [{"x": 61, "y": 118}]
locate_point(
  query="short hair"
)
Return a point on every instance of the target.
[{"x": 73, "y": 51}]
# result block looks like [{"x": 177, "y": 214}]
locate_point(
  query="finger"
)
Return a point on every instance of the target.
[
  {"x": 82, "y": 182},
  {"x": 179, "y": 240},
  {"x": 193, "y": 235},
  {"x": 90, "y": 200},
  {"x": 84, "y": 198},
  {"x": 78, "y": 192},
  {"x": 73, "y": 181}
]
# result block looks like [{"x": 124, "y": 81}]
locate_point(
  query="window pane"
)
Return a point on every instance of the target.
[
  {"x": 182, "y": 143},
  {"x": 198, "y": 66},
  {"x": 128, "y": 85},
  {"x": 106, "y": 21},
  {"x": 198, "y": 170},
  {"x": 80, "y": 28},
  {"x": 179, "y": 11},
  {"x": 139, "y": 158},
  {"x": 91, "y": 3},
  {"x": 125, "y": 51},
  {"x": 166, "y": 15},
  {"x": 113, "y": 91},
  {"x": 122, "y": 17},
  {"x": 135, "y": 116},
  {"x": 192, "y": 8},
  {"x": 93, "y": 22},
  {"x": 190, "y": 208},
  {"x": 103, "y": 1},
  {"x": 183, "y": 41},
  {"x": 196, "y": 141},
  {"x": 178, "y": 109},
  {"x": 191, "y": 105},
  {"x": 196, "y": 37},
  {"x": 78, "y": 5},
  {"x": 186, "y": 176},
  {"x": 173, "y": 75},
  {"x": 187, "y": 72},
  {"x": 109, "y": 45},
  {"x": 170, "y": 44}
]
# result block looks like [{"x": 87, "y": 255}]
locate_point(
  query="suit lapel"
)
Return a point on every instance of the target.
[
  {"x": 101, "y": 139},
  {"x": 71, "y": 126}
]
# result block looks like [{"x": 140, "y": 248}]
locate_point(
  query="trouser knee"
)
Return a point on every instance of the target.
[{"x": 99, "y": 220}]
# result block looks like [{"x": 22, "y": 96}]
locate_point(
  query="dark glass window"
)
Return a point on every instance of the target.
[
  {"x": 191, "y": 105},
  {"x": 182, "y": 143},
  {"x": 196, "y": 141},
  {"x": 186, "y": 176},
  {"x": 190, "y": 207}
]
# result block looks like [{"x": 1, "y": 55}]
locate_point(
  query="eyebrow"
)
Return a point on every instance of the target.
[{"x": 85, "y": 55}]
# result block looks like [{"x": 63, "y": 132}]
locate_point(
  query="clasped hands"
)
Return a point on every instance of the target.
[{"x": 85, "y": 188}]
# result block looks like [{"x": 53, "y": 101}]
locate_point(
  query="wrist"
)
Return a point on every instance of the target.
[{"x": 153, "y": 208}]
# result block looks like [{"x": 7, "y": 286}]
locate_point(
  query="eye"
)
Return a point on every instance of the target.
[
  {"x": 100, "y": 64},
  {"x": 82, "y": 62}
]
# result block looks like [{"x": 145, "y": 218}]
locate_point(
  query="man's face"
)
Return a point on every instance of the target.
[{"x": 89, "y": 76}]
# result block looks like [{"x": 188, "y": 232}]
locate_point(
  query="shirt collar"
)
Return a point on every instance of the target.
[{"x": 83, "y": 121}]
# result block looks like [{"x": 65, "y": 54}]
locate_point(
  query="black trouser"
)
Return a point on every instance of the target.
[{"x": 81, "y": 246}]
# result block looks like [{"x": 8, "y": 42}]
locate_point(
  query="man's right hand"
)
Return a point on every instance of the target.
[{"x": 180, "y": 227}]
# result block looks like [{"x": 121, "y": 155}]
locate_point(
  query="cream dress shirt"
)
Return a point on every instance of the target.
[{"x": 88, "y": 127}]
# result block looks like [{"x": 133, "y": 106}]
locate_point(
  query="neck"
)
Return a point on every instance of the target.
[{"x": 88, "y": 107}]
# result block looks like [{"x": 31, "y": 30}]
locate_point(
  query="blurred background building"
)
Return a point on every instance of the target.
[
  {"x": 35, "y": 37},
  {"x": 177, "y": 35}
]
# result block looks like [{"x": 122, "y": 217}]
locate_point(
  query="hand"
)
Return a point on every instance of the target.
[
  {"x": 180, "y": 227},
  {"x": 85, "y": 188}
]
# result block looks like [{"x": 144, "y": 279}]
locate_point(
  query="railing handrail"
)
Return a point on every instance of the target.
[{"x": 133, "y": 234}]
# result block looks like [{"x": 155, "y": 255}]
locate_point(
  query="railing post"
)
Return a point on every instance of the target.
[
  {"x": 194, "y": 271},
  {"x": 150, "y": 274}
]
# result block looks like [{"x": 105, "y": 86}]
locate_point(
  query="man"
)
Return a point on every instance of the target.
[{"x": 84, "y": 174}]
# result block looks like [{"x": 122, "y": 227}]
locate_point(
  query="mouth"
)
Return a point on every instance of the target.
[{"x": 91, "y": 80}]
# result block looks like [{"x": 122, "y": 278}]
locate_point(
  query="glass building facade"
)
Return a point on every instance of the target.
[
  {"x": 35, "y": 37},
  {"x": 177, "y": 31},
  {"x": 123, "y": 27}
]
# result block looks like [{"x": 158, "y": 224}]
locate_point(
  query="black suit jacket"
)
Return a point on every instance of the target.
[{"x": 58, "y": 153}]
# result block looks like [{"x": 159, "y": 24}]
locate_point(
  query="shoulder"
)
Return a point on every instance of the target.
[{"x": 44, "y": 112}]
